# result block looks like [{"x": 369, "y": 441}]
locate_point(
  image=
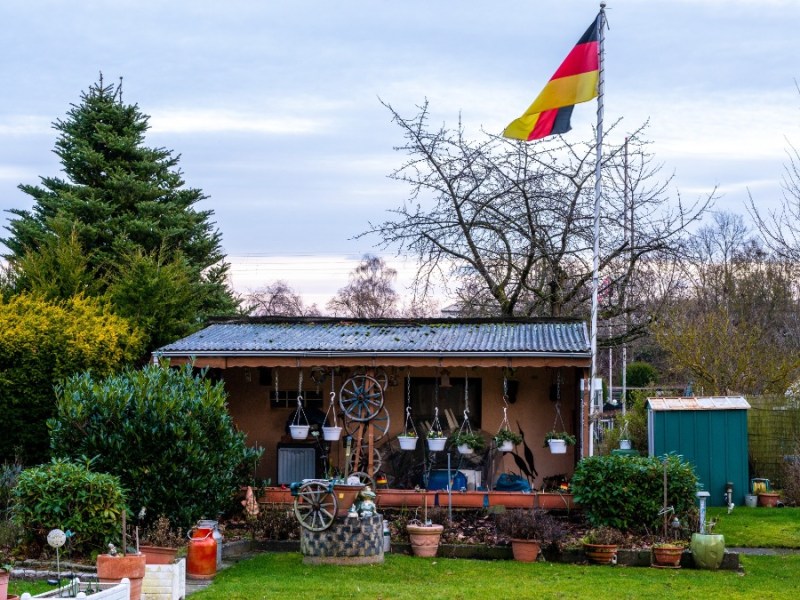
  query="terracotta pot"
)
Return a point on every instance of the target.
[
  {"x": 345, "y": 497},
  {"x": 511, "y": 499},
  {"x": 525, "y": 550},
  {"x": 401, "y": 498},
  {"x": 600, "y": 554},
  {"x": 158, "y": 555},
  {"x": 424, "y": 539},
  {"x": 111, "y": 569},
  {"x": 4, "y": 575},
  {"x": 667, "y": 556},
  {"x": 769, "y": 499}
]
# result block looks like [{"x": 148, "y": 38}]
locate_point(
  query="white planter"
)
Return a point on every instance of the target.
[
  {"x": 436, "y": 444},
  {"x": 751, "y": 500},
  {"x": 164, "y": 582},
  {"x": 331, "y": 434},
  {"x": 624, "y": 444},
  {"x": 464, "y": 449},
  {"x": 109, "y": 591},
  {"x": 557, "y": 446},
  {"x": 299, "y": 432},
  {"x": 506, "y": 446},
  {"x": 407, "y": 442}
]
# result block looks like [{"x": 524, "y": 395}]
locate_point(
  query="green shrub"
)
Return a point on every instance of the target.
[
  {"x": 627, "y": 492},
  {"x": 640, "y": 374},
  {"x": 165, "y": 432},
  {"x": 71, "y": 497},
  {"x": 43, "y": 343}
]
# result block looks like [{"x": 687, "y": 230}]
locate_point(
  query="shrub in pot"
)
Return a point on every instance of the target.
[
  {"x": 505, "y": 440},
  {"x": 160, "y": 542},
  {"x": 558, "y": 441},
  {"x": 600, "y": 544},
  {"x": 468, "y": 442},
  {"x": 529, "y": 531}
]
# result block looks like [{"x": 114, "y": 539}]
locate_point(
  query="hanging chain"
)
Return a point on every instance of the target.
[
  {"x": 300, "y": 386},
  {"x": 408, "y": 388},
  {"x": 277, "y": 392},
  {"x": 505, "y": 388}
]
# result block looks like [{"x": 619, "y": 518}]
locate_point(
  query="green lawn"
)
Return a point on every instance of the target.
[
  {"x": 758, "y": 527},
  {"x": 404, "y": 577}
]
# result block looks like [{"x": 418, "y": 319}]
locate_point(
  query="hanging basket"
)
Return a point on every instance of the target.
[
  {"x": 464, "y": 449},
  {"x": 299, "y": 432},
  {"x": 624, "y": 444},
  {"x": 436, "y": 444},
  {"x": 407, "y": 442},
  {"x": 506, "y": 446},
  {"x": 557, "y": 446},
  {"x": 331, "y": 434}
]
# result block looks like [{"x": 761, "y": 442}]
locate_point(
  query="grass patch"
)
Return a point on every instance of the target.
[
  {"x": 758, "y": 527},
  {"x": 283, "y": 575},
  {"x": 32, "y": 586}
]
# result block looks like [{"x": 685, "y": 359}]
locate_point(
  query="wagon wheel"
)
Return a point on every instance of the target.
[
  {"x": 364, "y": 478},
  {"x": 378, "y": 374},
  {"x": 361, "y": 397},
  {"x": 315, "y": 506},
  {"x": 363, "y": 463},
  {"x": 380, "y": 426}
]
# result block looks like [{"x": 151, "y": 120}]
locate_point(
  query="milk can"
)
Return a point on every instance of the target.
[
  {"x": 208, "y": 523},
  {"x": 201, "y": 556}
]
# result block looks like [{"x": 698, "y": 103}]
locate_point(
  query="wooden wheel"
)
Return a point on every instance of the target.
[
  {"x": 380, "y": 426},
  {"x": 377, "y": 374},
  {"x": 364, "y": 478},
  {"x": 315, "y": 506},
  {"x": 361, "y": 397},
  {"x": 363, "y": 462}
]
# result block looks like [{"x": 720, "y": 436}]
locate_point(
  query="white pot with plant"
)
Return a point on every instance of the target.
[{"x": 558, "y": 441}]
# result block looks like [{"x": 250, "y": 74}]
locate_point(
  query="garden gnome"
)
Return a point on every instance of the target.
[{"x": 367, "y": 505}]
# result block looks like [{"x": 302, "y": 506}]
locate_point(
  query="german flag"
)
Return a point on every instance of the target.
[{"x": 575, "y": 81}]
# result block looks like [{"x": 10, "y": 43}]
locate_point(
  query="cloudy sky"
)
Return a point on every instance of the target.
[{"x": 274, "y": 106}]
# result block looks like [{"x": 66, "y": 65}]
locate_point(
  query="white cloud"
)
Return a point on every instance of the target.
[{"x": 225, "y": 121}]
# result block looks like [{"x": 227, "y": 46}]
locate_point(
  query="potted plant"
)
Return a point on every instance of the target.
[
  {"x": 408, "y": 440},
  {"x": 424, "y": 537},
  {"x": 668, "y": 554},
  {"x": 600, "y": 544},
  {"x": 505, "y": 440},
  {"x": 558, "y": 441},
  {"x": 708, "y": 549},
  {"x": 436, "y": 440},
  {"x": 768, "y": 498},
  {"x": 116, "y": 566},
  {"x": 529, "y": 530},
  {"x": 5, "y": 573},
  {"x": 159, "y": 542},
  {"x": 468, "y": 441}
]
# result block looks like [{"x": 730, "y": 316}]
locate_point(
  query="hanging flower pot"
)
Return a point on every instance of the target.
[
  {"x": 557, "y": 446},
  {"x": 436, "y": 444},
  {"x": 331, "y": 434},
  {"x": 465, "y": 449},
  {"x": 506, "y": 446},
  {"x": 558, "y": 441},
  {"x": 624, "y": 444},
  {"x": 467, "y": 441},
  {"x": 299, "y": 432},
  {"x": 407, "y": 442}
]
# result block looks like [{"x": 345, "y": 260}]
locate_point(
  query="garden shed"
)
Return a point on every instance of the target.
[{"x": 709, "y": 432}]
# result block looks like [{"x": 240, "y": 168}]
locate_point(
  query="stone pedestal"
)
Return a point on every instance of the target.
[{"x": 349, "y": 541}]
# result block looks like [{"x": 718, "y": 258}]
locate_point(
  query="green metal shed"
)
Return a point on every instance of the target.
[{"x": 711, "y": 433}]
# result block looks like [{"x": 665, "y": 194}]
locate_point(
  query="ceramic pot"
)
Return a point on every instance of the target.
[
  {"x": 424, "y": 539},
  {"x": 769, "y": 499},
  {"x": 407, "y": 442},
  {"x": 525, "y": 550},
  {"x": 708, "y": 550},
  {"x": 601, "y": 554},
  {"x": 111, "y": 569}
]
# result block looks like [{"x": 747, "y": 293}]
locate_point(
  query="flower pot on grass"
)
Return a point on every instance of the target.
[
  {"x": 667, "y": 555},
  {"x": 424, "y": 539},
  {"x": 525, "y": 550},
  {"x": 750, "y": 500},
  {"x": 768, "y": 499},
  {"x": 708, "y": 550},
  {"x": 600, "y": 545}
]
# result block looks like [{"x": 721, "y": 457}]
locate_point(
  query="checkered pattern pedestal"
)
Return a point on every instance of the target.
[{"x": 349, "y": 541}]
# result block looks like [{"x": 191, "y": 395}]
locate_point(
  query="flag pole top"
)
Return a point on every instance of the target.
[{"x": 602, "y": 5}]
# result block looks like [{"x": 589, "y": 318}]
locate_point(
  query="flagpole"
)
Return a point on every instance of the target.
[{"x": 598, "y": 195}]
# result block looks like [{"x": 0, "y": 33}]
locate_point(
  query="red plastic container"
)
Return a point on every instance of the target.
[{"x": 201, "y": 557}]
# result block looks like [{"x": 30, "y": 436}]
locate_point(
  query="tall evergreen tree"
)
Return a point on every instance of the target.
[{"x": 122, "y": 199}]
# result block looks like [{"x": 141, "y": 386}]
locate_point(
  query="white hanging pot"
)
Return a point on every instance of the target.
[
  {"x": 407, "y": 442},
  {"x": 464, "y": 449},
  {"x": 506, "y": 446},
  {"x": 624, "y": 444},
  {"x": 436, "y": 444},
  {"x": 299, "y": 432},
  {"x": 558, "y": 446},
  {"x": 331, "y": 434}
]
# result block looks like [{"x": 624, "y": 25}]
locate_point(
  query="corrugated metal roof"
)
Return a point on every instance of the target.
[
  {"x": 386, "y": 336},
  {"x": 699, "y": 403}
]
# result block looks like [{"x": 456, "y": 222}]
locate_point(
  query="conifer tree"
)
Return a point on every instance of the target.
[{"x": 123, "y": 199}]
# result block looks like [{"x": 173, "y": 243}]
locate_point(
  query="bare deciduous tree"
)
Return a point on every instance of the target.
[
  {"x": 370, "y": 293},
  {"x": 278, "y": 300},
  {"x": 511, "y": 223}
]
